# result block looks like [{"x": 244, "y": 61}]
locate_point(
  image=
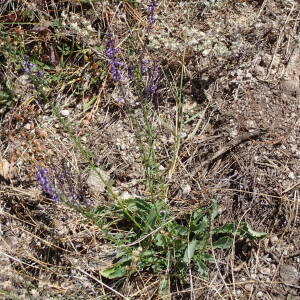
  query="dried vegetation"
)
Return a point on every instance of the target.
[{"x": 240, "y": 62}]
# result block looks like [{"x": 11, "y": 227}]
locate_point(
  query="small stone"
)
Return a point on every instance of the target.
[
  {"x": 289, "y": 274},
  {"x": 187, "y": 107},
  {"x": 292, "y": 175},
  {"x": 273, "y": 268},
  {"x": 161, "y": 168},
  {"x": 125, "y": 195},
  {"x": 274, "y": 240},
  {"x": 27, "y": 126},
  {"x": 251, "y": 124},
  {"x": 259, "y": 294},
  {"x": 268, "y": 259},
  {"x": 206, "y": 52},
  {"x": 65, "y": 112},
  {"x": 265, "y": 271},
  {"x": 186, "y": 189},
  {"x": 96, "y": 183},
  {"x": 7, "y": 286},
  {"x": 183, "y": 135},
  {"x": 248, "y": 287},
  {"x": 41, "y": 133},
  {"x": 259, "y": 70}
]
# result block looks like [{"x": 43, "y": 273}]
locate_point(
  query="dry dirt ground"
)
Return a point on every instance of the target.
[{"x": 241, "y": 74}]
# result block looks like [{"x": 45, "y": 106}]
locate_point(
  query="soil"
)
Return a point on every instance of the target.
[{"x": 242, "y": 75}]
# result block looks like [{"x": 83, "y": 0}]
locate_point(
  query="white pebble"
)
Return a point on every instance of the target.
[
  {"x": 125, "y": 195},
  {"x": 27, "y": 126},
  {"x": 292, "y": 175},
  {"x": 65, "y": 112},
  {"x": 259, "y": 294}
]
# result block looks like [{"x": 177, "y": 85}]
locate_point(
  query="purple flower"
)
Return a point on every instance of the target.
[
  {"x": 114, "y": 62},
  {"x": 43, "y": 177},
  {"x": 27, "y": 65},
  {"x": 151, "y": 85},
  {"x": 144, "y": 65},
  {"x": 67, "y": 176},
  {"x": 61, "y": 185},
  {"x": 130, "y": 72},
  {"x": 153, "y": 79},
  {"x": 39, "y": 73},
  {"x": 152, "y": 4},
  {"x": 30, "y": 68}
]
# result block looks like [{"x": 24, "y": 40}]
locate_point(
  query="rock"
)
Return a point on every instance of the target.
[
  {"x": 259, "y": 294},
  {"x": 274, "y": 240},
  {"x": 186, "y": 189},
  {"x": 125, "y": 195},
  {"x": 251, "y": 124},
  {"x": 27, "y": 126},
  {"x": 264, "y": 270},
  {"x": 289, "y": 273},
  {"x": 259, "y": 70},
  {"x": 161, "y": 168},
  {"x": 65, "y": 112},
  {"x": 5, "y": 169},
  {"x": 97, "y": 184},
  {"x": 292, "y": 175}
]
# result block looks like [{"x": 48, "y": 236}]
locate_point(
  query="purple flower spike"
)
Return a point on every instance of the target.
[
  {"x": 144, "y": 65},
  {"x": 114, "y": 62},
  {"x": 130, "y": 72},
  {"x": 154, "y": 76},
  {"x": 60, "y": 186},
  {"x": 44, "y": 179},
  {"x": 30, "y": 68},
  {"x": 152, "y": 4}
]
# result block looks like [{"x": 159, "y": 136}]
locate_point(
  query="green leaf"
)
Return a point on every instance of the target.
[
  {"x": 227, "y": 228},
  {"x": 119, "y": 269},
  {"x": 190, "y": 250},
  {"x": 164, "y": 286},
  {"x": 197, "y": 215},
  {"x": 142, "y": 204},
  {"x": 115, "y": 271},
  {"x": 159, "y": 240},
  {"x": 223, "y": 242},
  {"x": 205, "y": 257},
  {"x": 201, "y": 226},
  {"x": 202, "y": 244},
  {"x": 214, "y": 210},
  {"x": 151, "y": 218},
  {"x": 178, "y": 230},
  {"x": 87, "y": 105},
  {"x": 246, "y": 232},
  {"x": 202, "y": 269}
]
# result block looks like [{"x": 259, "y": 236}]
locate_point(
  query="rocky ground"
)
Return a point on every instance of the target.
[{"x": 240, "y": 146}]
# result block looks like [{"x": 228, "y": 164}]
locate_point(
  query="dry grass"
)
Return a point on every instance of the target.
[{"x": 226, "y": 71}]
